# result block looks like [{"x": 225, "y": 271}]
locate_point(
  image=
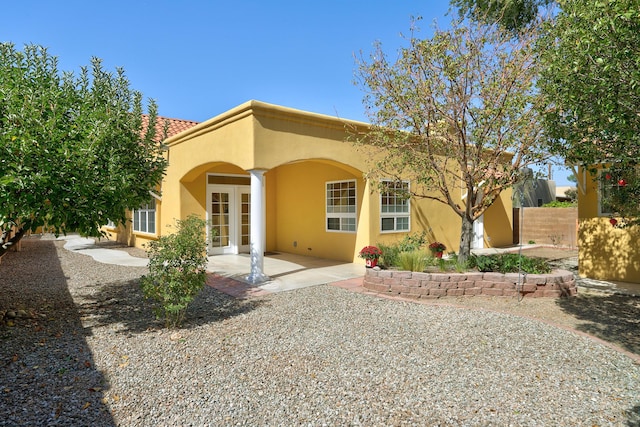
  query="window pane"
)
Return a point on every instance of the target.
[
  {"x": 392, "y": 205},
  {"x": 151, "y": 226},
  {"x": 341, "y": 206},
  {"x": 402, "y": 223},
  {"x": 387, "y": 224},
  {"x": 349, "y": 224}
]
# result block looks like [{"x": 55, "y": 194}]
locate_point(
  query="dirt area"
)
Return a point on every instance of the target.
[
  {"x": 551, "y": 253},
  {"x": 612, "y": 318}
]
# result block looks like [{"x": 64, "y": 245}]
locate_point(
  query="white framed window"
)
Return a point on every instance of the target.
[
  {"x": 605, "y": 186},
  {"x": 144, "y": 218},
  {"x": 341, "y": 206},
  {"x": 395, "y": 207}
]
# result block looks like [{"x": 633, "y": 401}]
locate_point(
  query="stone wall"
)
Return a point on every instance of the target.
[
  {"x": 551, "y": 226},
  {"x": 558, "y": 283}
]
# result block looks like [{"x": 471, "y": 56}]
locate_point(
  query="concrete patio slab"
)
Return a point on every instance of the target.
[{"x": 285, "y": 271}]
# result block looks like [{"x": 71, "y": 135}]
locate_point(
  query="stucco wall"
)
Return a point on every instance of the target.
[
  {"x": 605, "y": 252},
  {"x": 300, "y": 211},
  {"x": 300, "y": 152},
  {"x": 498, "y": 225}
]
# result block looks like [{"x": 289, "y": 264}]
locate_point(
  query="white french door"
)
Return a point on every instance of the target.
[{"x": 229, "y": 214}]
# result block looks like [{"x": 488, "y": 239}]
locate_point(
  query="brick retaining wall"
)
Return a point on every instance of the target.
[{"x": 558, "y": 283}]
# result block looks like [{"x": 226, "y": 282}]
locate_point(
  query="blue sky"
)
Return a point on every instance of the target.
[{"x": 198, "y": 59}]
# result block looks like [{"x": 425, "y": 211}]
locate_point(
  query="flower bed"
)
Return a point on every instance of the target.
[{"x": 558, "y": 283}]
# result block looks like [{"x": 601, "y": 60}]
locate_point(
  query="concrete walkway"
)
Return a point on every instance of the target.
[
  {"x": 286, "y": 271},
  {"x": 87, "y": 246},
  {"x": 290, "y": 271}
]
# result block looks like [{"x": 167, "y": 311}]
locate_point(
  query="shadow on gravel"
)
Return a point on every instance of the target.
[
  {"x": 124, "y": 304},
  {"x": 47, "y": 373},
  {"x": 612, "y": 318},
  {"x": 634, "y": 417}
]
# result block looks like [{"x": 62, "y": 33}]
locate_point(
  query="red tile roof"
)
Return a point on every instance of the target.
[{"x": 175, "y": 126}]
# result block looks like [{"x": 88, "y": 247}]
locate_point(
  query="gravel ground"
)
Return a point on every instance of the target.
[{"x": 84, "y": 349}]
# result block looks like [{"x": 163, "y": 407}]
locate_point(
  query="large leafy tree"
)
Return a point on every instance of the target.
[
  {"x": 591, "y": 79},
  {"x": 511, "y": 15},
  {"x": 458, "y": 112},
  {"x": 74, "y": 151}
]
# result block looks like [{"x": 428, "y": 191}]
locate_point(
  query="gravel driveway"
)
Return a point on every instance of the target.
[{"x": 84, "y": 349}]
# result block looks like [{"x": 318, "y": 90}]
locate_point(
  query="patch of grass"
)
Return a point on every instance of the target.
[{"x": 412, "y": 261}]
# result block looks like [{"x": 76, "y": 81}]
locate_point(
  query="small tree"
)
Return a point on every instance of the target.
[
  {"x": 591, "y": 77},
  {"x": 74, "y": 152},
  {"x": 457, "y": 113},
  {"x": 177, "y": 264},
  {"x": 511, "y": 15}
]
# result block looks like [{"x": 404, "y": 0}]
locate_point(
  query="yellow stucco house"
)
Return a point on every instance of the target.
[
  {"x": 605, "y": 252},
  {"x": 276, "y": 179}
]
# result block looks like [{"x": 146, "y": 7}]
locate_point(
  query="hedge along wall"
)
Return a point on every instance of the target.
[{"x": 558, "y": 283}]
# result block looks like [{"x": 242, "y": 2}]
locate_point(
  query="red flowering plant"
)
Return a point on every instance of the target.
[
  {"x": 436, "y": 247},
  {"x": 619, "y": 191},
  {"x": 370, "y": 252}
]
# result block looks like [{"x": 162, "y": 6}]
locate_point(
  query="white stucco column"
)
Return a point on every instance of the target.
[
  {"x": 257, "y": 228},
  {"x": 478, "y": 233}
]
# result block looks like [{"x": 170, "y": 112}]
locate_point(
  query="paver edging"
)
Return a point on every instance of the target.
[{"x": 558, "y": 283}]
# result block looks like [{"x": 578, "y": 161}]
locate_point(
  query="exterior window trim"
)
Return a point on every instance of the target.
[
  {"x": 395, "y": 215},
  {"x": 341, "y": 216},
  {"x": 601, "y": 189},
  {"x": 149, "y": 212}
]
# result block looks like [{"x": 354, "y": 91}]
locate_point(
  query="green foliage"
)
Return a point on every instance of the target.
[
  {"x": 456, "y": 109},
  {"x": 74, "y": 151},
  {"x": 559, "y": 204},
  {"x": 177, "y": 273},
  {"x": 591, "y": 77},
  {"x": 619, "y": 193},
  {"x": 509, "y": 263},
  {"x": 409, "y": 243},
  {"x": 511, "y": 15},
  {"x": 572, "y": 194},
  {"x": 412, "y": 242},
  {"x": 390, "y": 255},
  {"x": 412, "y": 261}
]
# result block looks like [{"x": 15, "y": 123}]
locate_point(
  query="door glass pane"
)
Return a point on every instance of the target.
[
  {"x": 245, "y": 219},
  {"x": 220, "y": 219}
]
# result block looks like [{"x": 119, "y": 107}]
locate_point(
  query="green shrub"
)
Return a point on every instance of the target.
[
  {"x": 410, "y": 243},
  {"x": 509, "y": 263},
  {"x": 177, "y": 273},
  {"x": 560, "y": 204},
  {"x": 389, "y": 255},
  {"x": 412, "y": 261}
]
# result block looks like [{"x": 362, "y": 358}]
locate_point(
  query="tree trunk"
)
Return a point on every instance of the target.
[
  {"x": 466, "y": 235},
  {"x": 4, "y": 246}
]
